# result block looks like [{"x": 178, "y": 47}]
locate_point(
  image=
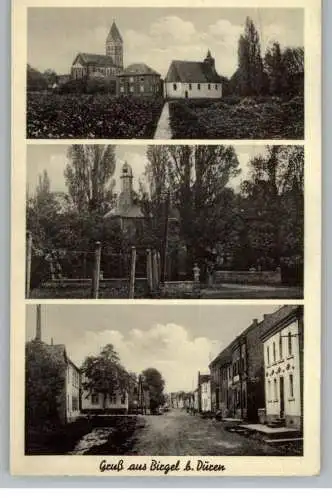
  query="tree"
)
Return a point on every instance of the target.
[
  {"x": 104, "y": 374},
  {"x": 250, "y": 74},
  {"x": 275, "y": 69},
  {"x": 154, "y": 383},
  {"x": 293, "y": 62},
  {"x": 89, "y": 177},
  {"x": 36, "y": 81},
  {"x": 50, "y": 76},
  {"x": 44, "y": 382}
]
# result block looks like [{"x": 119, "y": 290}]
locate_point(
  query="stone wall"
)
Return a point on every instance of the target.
[{"x": 248, "y": 277}]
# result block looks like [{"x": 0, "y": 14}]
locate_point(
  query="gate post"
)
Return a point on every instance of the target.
[
  {"x": 149, "y": 269},
  {"x": 28, "y": 265},
  {"x": 132, "y": 273},
  {"x": 96, "y": 272}
]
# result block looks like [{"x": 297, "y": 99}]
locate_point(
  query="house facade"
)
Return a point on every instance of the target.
[
  {"x": 283, "y": 369},
  {"x": 94, "y": 402},
  {"x": 193, "y": 80},
  {"x": 138, "y": 80},
  {"x": 86, "y": 65},
  {"x": 204, "y": 393}
]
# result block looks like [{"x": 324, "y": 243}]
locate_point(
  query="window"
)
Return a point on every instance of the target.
[
  {"x": 274, "y": 352},
  {"x": 123, "y": 398},
  {"x": 113, "y": 399},
  {"x": 291, "y": 386},
  {"x": 280, "y": 347},
  {"x": 174, "y": 86},
  {"x": 131, "y": 79},
  {"x": 209, "y": 86},
  {"x": 121, "y": 79},
  {"x": 190, "y": 86},
  {"x": 216, "y": 86},
  {"x": 198, "y": 86},
  {"x": 142, "y": 78},
  {"x": 290, "y": 347},
  {"x": 94, "y": 398},
  {"x": 122, "y": 89},
  {"x": 131, "y": 88},
  {"x": 269, "y": 389},
  {"x": 142, "y": 88},
  {"x": 275, "y": 389},
  {"x": 268, "y": 355},
  {"x": 68, "y": 401},
  {"x": 74, "y": 403}
]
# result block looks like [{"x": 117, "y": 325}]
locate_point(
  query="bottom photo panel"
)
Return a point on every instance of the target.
[{"x": 164, "y": 380}]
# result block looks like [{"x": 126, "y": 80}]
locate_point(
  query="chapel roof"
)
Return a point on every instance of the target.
[{"x": 192, "y": 72}]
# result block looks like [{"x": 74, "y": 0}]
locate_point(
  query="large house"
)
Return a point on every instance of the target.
[
  {"x": 86, "y": 65},
  {"x": 139, "y": 80},
  {"x": 193, "y": 80},
  {"x": 283, "y": 368}
]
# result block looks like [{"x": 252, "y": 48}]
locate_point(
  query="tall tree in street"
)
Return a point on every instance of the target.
[
  {"x": 154, "y": 383},
  {"x": 89, "y": 177},
  {"x": 104, "y": 374}
]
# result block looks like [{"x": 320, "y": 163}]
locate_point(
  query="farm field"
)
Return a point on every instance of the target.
[
  {"x": 235, "y": 118},
  {"x": 98, "y": 116}
]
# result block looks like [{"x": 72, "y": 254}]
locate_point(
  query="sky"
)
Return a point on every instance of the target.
[
  {"x": 178, "y": 340},
  {"x": 155, "y": 36},
  {"x": 53, "y": 159}
]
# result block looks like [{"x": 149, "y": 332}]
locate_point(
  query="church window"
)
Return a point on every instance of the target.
[
  {"x": 198, "y": 86},
  {"x": 174, "y": 86},
  {"x": 209, "y": 86}
]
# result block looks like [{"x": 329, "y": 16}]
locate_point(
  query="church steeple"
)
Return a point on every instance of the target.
[
  {"x": 114, "y": 46},
  {"x": 210, "y": 60},
  {"x": 126, "y": 196}
]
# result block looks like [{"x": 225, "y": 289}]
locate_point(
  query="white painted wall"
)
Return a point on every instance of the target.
[
  {"x": 72, "y": 393},
  {"x": 284, "y": 364},
  {"x": 89, "y": 403},
  {"x": 214, "y": 92},
  {"x": 206, "y": 396}
]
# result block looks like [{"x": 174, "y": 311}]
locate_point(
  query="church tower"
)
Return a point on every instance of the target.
[
  {"x": 126, "y": 196},
  {"x": 209, "y": 60},
  {"x": 114, "y": 46}
]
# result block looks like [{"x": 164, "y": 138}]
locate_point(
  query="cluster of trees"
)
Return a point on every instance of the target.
[
  {"x": 104, "y": 373},
  {"x": 40, "y": 81},
  {"x": 260, "y": 223},
  {"x": 279, "y": 72}
]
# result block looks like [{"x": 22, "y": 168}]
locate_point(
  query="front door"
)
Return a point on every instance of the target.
[{"x": 282, "y": 398}]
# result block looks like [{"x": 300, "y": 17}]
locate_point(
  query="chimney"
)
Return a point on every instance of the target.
[
  {"x": 255, "y": 322},
  {"x": 38, "y": 323}
]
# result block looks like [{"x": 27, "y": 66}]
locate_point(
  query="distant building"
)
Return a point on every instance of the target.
[
  {"x": 139, "y": 80},
  {"x": 193, "y": 80},
  {"x": 204, "y": 393},
  {"x": 86, "y": 65},
  {"x": 283, "y": 369},
  {"x": 127, "y": 213}
]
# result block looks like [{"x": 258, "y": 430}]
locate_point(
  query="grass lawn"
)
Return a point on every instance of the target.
[{"x": 247, "y": 118}]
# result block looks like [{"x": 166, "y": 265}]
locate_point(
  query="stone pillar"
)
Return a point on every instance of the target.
[{"x": 155, "y": 269}]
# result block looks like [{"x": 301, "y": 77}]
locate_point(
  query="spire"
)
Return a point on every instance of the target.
[
  {"x": 208, "y": 55},
  {"x": 38, "y": 323},
  {"x": 114, "y": 34}
]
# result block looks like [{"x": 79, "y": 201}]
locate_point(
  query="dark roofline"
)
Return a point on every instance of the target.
[{"x": 295, "y": 313}]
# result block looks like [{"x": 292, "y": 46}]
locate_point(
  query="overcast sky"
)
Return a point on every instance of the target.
[
  {"x": 178, "y": 340},
  {"x": 154, "y": 36},
  {"x": 53, "y": 159}
]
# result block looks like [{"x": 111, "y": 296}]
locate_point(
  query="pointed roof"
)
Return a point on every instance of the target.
[
  {"x": 114, "y": 34},
  {"x": 192, "y": 72}
]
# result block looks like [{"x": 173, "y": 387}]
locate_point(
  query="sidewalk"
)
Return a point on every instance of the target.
[{"x": 163, "y": 130}]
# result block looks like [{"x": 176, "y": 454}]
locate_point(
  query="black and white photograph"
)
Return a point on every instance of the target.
[
  {"x": 173, "y": 380},
  {"x": 165, "y": 73},
  {"x": 158, "y": 221}
]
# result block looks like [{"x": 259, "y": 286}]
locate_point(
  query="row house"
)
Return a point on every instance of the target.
[
  {"x": 204, "y": 393},
  {"x": 283, "y": 369},
  {"x": 241, "y": 374}
]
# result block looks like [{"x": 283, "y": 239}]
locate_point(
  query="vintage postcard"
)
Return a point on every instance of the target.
[{"x": 166, "y": 238}]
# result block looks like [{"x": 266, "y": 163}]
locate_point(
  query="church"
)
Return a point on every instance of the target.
[
  {"x": 127, "y": 213},
  {"x": 86, "y": 65}
]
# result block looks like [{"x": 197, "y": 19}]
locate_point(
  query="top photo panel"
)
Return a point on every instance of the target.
[{"x": 165, "y": 73}]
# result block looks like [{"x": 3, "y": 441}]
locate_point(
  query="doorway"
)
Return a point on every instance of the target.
[{"x": 282, "y": 397}]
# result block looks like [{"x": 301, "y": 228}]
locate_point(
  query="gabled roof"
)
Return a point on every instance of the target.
[
  {"x": 114, "y": 34},
  {"x": 97, "y": 59},
  {"x": 138, "y": 69},
  {"x": 192, "y": 72}
]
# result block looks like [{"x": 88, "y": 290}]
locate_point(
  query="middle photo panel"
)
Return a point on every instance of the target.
[{"x": 159, "y": 221}]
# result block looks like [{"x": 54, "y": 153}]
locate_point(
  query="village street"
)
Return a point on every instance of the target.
[{"x": 175, "y": 433}]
